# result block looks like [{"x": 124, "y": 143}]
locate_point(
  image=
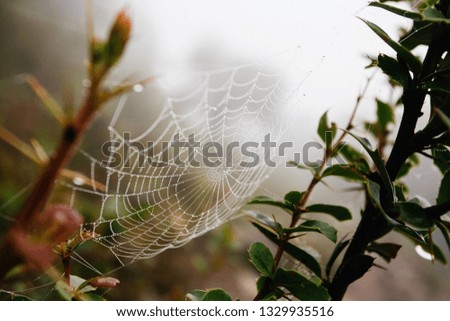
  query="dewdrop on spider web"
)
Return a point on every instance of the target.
[{"x": 147, "y": 206}]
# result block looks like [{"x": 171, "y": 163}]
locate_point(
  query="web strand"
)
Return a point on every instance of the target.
[{"x": 150, "y": 205}]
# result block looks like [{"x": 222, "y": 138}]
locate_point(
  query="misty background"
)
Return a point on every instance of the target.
[{"x": 48, "y": 39}]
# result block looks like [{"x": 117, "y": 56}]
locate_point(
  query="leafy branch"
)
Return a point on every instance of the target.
[{"x": 36, "y": 216}]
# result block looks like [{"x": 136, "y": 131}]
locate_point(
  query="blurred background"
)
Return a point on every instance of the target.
[{"x": 47, "y": 38}]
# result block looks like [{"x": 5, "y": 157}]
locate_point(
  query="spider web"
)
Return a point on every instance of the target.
[{"x": 152, "y": 198}]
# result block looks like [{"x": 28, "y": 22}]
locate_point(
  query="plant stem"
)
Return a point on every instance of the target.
[
  {"x": 265, "y": 289},
  {"x": 72, "y": 133},
  {"x": 405, "y": 145}
]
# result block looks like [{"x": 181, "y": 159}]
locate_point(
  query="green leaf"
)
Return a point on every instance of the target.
[
  {"x": 379, "y": 164},
  {"x": 216, "y": 295},
  {"x": 411, "y": 234},
  {"x": 399, "y": 191},
  {"x": 323, "y": 128},
  {"x": 350, "y": 154},
  {"x": 354, "y": 158},
  {"x": 265, "y": 221},
  {"x": 339, "y": 212},
  {"x": 297, "y": 253},
  {"x": 387, "y": 251},
  {"x": 293, "y": 198},
  {"x": 444, "y": 189},
  {"x": 373, "y": 190},
  {"x": 397, "y": 11},
  {"x": 355, "y": 267},
  {"x": 385, "y": 114},
  {"x": 316, "y": 226},
  {"x": 261, "y": 282},
  {"x": 262, "y": 258},
  {"x": 393, "y": 70},
  {"x": 406, "y": 167},
  {"x": 414, "y": 215},
  {"x": 302, "y": 288},
  {"x": 435, "y": 252},
  {"x": 340, "y": 246},
  {"x": 412, "y": 61},
  {"x": 264, "y": 200},
  {"x": 347, "y": 172},
  {"x": 434, "y": 15}
]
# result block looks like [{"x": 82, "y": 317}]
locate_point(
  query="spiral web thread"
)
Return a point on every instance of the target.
[{"x": 148, "y": 207}]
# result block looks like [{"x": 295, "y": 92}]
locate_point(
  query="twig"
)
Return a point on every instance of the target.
[{"x": 312, "y": 184}]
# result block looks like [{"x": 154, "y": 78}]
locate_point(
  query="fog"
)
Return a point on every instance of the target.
[{"x": 48, "y": 39}]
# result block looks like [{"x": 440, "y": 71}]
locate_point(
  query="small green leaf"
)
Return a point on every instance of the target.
[
  {"x": 350, "y": 154},
  {"x": 340, "y": 246},
  {"x": 397, "y": 11},
  {"x": 412, "y": 161},
  {"x": 399, "y": 191},
  {"x": 293, "y": 198},
  {"x": 216, "y": 295},
  {"x": 444, "y": 189},
  {"x": 385, "y": 114},
  {"x": 434, "y": 15},
  {"x": 379, "y": 163},
  {"x": 387, "y": 251},
  {"x": 373, "y": 190},
  {"x": 316, "y": 226},
  {"x": 300, "y": 286},
  {"x": 264, "y": 200},
  {"x": 264, "y": 220},
  {"x": 392, "y": 68},
  {"x": 412, "y": 61},
  {"x": 414, "y": 214},
  {"x": 339, "y": 212},
  {"x": 411, "y": 234},
  {"x": 262, "y": 258},
  {"x": 347, "y": 172},
  {"x": 435, "y": 252},
  {"x": 261, "y": 282},
  {"x": 323, "y": 128},
  {"x": 297, "y": 253}
]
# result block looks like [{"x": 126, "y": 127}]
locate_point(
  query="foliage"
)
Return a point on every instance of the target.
[{"x": 377, "y": 171}]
